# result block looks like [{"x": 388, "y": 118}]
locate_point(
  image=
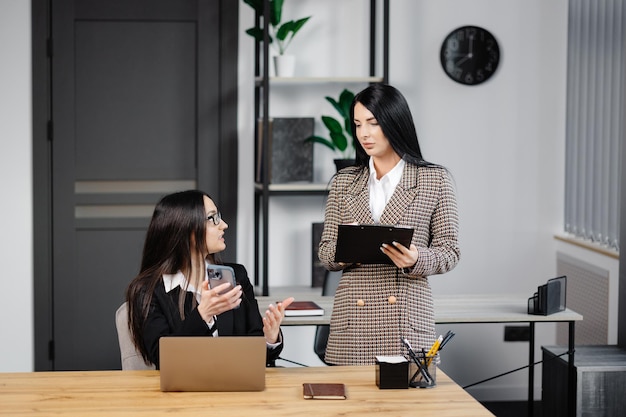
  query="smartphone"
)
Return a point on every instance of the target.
[{"x": 219, "y": 274}]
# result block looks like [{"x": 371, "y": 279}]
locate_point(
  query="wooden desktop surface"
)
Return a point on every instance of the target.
[
  {"x": 465, "y": 308},
  {"x": 462, "y": 308},
  {"x": 137, "y": 393}
]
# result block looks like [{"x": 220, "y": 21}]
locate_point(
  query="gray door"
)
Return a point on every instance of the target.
[{"x": 137, "y": 111}]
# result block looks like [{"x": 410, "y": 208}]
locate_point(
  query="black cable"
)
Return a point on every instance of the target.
[
  {"x": 514, "y": 370},
  {"x": 466, "y": 386},
  {"x": 294, "y": 362}
]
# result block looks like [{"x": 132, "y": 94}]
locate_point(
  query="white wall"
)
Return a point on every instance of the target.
[
  {"x": 503, "y": 141},
  {"x": 16, "y": 253}
]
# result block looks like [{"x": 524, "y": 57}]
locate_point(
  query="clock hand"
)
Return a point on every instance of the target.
[
  {"x": 470, "y": 53},
  {"x": 462, "y": 60},
  {"x": 451, "y": 55}
]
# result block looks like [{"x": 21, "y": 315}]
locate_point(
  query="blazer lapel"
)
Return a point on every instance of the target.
[
  {"x": 402, "y": 197},
  {"x": 358, "y": 199}
]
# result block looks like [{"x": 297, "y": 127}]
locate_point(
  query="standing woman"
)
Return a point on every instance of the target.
[
  {"x": 171, "y": 297},
  {"x": 378, "y": 304}
]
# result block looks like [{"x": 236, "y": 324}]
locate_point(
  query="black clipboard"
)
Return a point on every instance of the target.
[{"x": 361, "y": 243}]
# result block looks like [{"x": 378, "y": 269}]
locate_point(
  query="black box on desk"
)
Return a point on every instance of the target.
[
  {"x": 392, "y": 372},
  {"x": 550, "y": 298}
]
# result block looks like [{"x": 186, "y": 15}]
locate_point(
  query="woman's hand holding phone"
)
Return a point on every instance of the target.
[{"x": 216, "y": 300}]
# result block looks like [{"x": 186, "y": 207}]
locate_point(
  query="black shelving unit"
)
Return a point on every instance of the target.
[{"x": 264, "y": 190}]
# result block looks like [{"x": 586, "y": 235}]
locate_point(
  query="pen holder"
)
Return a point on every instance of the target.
[{"x": 423, "y": 372}]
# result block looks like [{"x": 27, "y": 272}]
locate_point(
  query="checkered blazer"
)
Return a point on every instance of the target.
[{"x": 376, "y": 305}]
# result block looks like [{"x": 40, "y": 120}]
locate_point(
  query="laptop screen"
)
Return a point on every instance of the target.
[{"x": 207, "y": 363}]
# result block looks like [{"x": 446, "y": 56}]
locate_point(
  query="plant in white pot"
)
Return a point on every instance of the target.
[
  {"x": 340, "y": 132},
  {"x": 280, "y": 34}
]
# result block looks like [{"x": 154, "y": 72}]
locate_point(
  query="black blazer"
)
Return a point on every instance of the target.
[{"x": 164, "y": 319}]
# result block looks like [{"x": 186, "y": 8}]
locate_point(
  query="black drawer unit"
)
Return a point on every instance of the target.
[{"x": 600, "y": 373}]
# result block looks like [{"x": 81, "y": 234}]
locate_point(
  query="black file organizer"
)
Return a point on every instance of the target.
[{"x": 549, "y": 298}]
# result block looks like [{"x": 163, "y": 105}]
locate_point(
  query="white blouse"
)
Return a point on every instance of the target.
[{"x": 382, "y": 189}]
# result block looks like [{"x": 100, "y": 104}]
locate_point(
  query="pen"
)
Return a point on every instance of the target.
[
  {"x": 435, "y": 347},
  {"x": 411, "y": 351},
  {"x": 433, "y": 350},
  {"x": 446, "y": 339},
  {"x": 425, "y": 366},
  {"x": 420, "y": 367}
]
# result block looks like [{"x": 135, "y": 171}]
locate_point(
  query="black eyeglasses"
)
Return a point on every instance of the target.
[{"x": 215, "y": 218}]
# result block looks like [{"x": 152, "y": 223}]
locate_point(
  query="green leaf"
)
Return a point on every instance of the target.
[
  {"x": 339, "y": 140},
  {"x": 334, "y": 103},
  {"x": 291, "y": 27},
  {"x": 332, "y": 125},
  {"x": 256, "y": 33},
  {"x": 297, "y": 25},
  {"x": 343, "y": 108},
  {"x": 345, "y": 102},
  {"x": 340, "y": 133},
  {"x": 283, "y": 33},
  {"x": 284, "y": 30},
  {"x": 323, "y": 141},
  {"x": 276, "y": 9},
  {"x": 348, "y": 126}
]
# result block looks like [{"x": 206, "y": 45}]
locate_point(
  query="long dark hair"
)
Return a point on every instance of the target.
[
  {"x": 393, "y": 114},
  {"x": 167, "y": 249}
]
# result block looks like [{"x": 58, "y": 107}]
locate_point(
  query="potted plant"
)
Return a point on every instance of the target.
[
  {"x": 340, "y": 132},
  {"x": 280, "y": 33}
]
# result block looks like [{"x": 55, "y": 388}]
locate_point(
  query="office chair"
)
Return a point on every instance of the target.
[
  {"x": 131, "y": 359},
  {"x": 331, "y": 281}
]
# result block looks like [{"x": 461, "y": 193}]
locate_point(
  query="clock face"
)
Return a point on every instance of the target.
[{"x": 470, "y": 55}]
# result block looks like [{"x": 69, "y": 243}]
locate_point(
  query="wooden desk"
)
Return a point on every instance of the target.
[
  {"x": 136, "y": 393},
  {"x": 466, "y": 308}
]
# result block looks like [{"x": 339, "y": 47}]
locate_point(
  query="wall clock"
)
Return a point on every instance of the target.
[{"x": 470, "y": 55}]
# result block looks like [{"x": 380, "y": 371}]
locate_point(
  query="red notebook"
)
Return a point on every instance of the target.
[
  {"x": 324, "y": 391},
  {"x": 304, "y": 308}
]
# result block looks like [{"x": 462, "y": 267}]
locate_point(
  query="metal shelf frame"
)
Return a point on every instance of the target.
[{"x": 264, "y": 190}]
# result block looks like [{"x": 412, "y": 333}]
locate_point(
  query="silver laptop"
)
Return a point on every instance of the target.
[{"x": 206, "y": 363}]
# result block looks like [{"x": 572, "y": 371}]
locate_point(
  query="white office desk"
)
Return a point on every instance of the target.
[{"x": 460, "y": 308}]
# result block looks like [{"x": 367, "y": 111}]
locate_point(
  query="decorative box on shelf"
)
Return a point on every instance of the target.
[{"x": 290, "y": 157}]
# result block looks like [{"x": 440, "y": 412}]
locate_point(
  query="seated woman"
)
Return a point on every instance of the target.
[{"x": 171, "y": 297}]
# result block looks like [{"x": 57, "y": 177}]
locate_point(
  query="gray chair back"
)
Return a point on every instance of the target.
[{"x": 131, "y": 359}]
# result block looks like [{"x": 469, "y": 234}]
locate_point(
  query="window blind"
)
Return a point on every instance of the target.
[{"x": 595, "y": 116}]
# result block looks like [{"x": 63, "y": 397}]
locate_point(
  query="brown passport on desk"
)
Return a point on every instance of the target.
[
  {"x": 324, "y": 391},
  {"x": 304, "y": 308}
]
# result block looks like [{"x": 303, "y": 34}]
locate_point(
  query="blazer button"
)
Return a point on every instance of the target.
[
  {"x": 360, "y": 303},
  {"x": 391, "y": 299}
]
